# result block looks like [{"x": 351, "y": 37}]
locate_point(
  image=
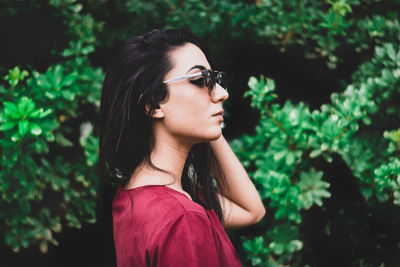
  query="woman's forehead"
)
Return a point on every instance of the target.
[{"x": 187, "y": 56}]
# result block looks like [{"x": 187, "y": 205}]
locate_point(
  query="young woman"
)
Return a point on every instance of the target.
[{"x": 179, "y": 183}]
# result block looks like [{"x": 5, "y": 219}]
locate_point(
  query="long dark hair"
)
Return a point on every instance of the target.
[{"x": 133, "y": 80}]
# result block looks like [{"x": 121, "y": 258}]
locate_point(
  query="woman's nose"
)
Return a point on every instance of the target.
[{"x": 219, "y": 93}]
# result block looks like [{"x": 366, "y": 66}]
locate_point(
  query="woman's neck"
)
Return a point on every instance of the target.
[{"x": 168, "y": 154}]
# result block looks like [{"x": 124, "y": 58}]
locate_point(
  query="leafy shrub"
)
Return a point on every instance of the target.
[
  {"x": 40, "y": 153},
  {"x": 48, "y": 147},
  {"x": 324, "y": 29},
  {"x": 282, "y": 155}
]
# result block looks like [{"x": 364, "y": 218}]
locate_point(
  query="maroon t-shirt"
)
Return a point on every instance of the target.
[{"x": 155, "y": 225}]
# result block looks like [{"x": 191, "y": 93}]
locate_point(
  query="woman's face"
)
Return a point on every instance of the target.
[{"x": 190, "y": 109}]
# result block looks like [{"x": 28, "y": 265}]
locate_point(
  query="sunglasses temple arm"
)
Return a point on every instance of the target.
[{"x": 183, "y": 77}]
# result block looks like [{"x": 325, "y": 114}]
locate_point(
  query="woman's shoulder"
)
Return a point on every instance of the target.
[{"x": 155, "y": 202}]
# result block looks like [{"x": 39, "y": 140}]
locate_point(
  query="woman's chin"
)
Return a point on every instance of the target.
[
  {"x": 215, "y": 134},
  {"x": 208, "y": 135}
]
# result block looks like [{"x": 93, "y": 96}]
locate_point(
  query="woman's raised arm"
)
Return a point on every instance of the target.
[{"x": 244, "y": 206}]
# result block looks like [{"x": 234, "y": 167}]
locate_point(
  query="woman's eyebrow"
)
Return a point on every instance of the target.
[{"x": 201, "y": 67}]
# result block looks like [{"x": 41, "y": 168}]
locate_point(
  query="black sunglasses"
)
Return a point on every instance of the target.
[{"x": 208, "y": 78}]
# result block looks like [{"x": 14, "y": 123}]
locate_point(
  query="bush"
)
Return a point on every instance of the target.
[
  {"x": 284, "y": 156},
  {"x": 48, "y": 145}
]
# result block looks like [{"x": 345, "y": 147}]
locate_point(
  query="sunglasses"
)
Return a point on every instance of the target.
[{"x": 207, "y": 78}]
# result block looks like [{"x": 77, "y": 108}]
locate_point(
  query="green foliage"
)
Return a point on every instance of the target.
[
  {"x": 290, "y": 141},
  {"x": 49, "y": 150},
  {"x": 313, "y": 188},
  {"x": 321, "y": 28},
  {"x": 47, "y": 174},
  {"x": 387, "y": 175}
]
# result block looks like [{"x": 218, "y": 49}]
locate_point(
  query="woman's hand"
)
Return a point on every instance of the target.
[{"x": 241, "y": 204}]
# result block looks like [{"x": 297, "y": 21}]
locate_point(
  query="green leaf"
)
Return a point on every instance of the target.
[
  {"x": 73, "y": 221},
  {"x": 15, "y": 137},
  {"x": 22, "y": 104},
  {"x": 294, "y": 245},
  {"x": 312, "y": 188},
  {"x": 68, "y": 95},
  {"x": 7, "y": 125},
  {"x": 315, "y": 153},
  {"x": 60, "y": 139},
  {"x": 45, "y": 113},
  {"x": 58, "y": 75},
  {"x": 40, "y": 146},
  {"x": 44, "y": 82},
  {"x": 290, "y": 158},
  {"x": 390, "y": 51},
  {"x": 396, "y": 198},
  {"x": 15, "y": 75},
  {"x": 277, "y": 248},
  {"x": 36, "y": 113},
  {"x": 279, "y": 155},
  {"x": 50, "y": 95},
  {"x": 10, "y": 109},
  {"x": 68, "y": 80},
  {"x": 23, "y": 127},
  {"x": 35, "y": 129}
]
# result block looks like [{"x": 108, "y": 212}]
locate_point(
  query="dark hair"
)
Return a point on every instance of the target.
[{"x": 133, "y": 80}]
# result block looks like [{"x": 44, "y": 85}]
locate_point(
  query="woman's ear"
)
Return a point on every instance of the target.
[{"x": 157, "y": 113}]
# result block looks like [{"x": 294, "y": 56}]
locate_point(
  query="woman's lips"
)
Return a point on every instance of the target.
[
  {"x": 219, "y": 113},
  {"x": 219, "y": 117}
]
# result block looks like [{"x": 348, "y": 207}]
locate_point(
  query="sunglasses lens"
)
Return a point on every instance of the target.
[
  {"x": 212, "y": 77},
  {"x": 221, "y": 80},
  {"x": 210, "y": 80}
]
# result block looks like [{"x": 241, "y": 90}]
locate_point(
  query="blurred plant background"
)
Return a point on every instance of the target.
[{"x": 313, "y": 115}]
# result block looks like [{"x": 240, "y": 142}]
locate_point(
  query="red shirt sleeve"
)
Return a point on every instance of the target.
[{"x": 187, "y": 241}]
